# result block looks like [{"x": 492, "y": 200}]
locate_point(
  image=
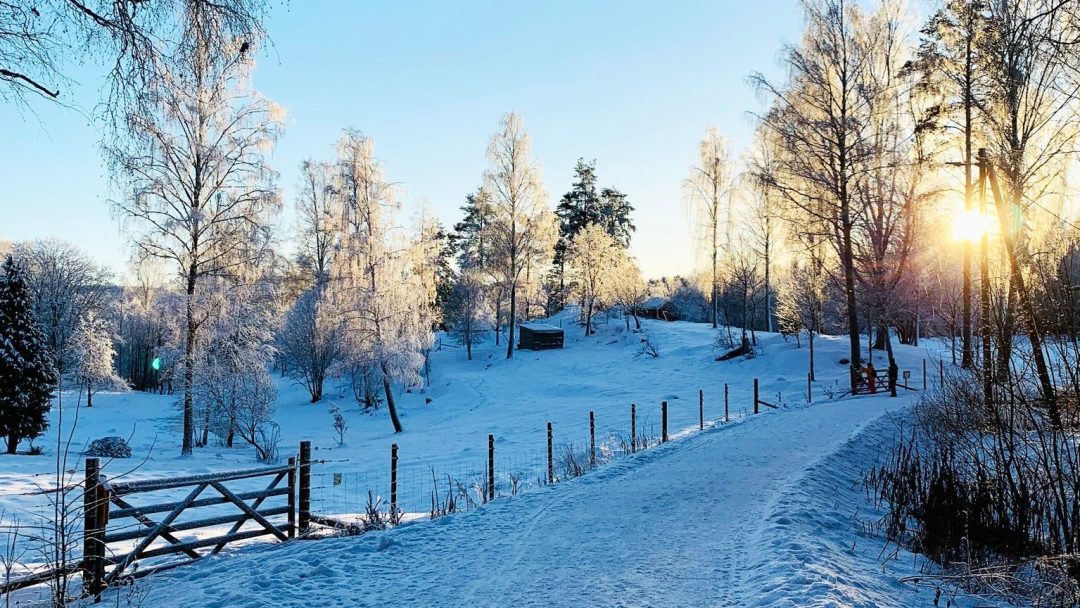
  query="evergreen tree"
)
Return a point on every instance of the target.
[
  {"x": 467, "y": 242},
  {"x": 581, "y": 207},
  {"x": 27, "y": 375},
  {"x": 615, "y": 216}
]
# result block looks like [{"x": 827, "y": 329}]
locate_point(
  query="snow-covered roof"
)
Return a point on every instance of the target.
[
  {"x": 654, "y": 302},
  {"x": 540, "y": 327}
]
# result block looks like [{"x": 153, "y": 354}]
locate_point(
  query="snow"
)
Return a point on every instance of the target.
[
  {"x": 541, "y": 326},
  {"x": 760, "y": 511}
]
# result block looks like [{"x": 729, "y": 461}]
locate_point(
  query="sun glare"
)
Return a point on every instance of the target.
[{"x": 971, "y": 225}]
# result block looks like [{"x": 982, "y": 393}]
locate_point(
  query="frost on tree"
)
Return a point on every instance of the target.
[
  {"x": 377, "y": 284},
  {"x": 594, "y": 259},
  {"x": 200, "y": 192},
  {"x": 92, "y": 358},
  {"x": 467, "y": 310},
  {"x": 522, "y": 228},
  {"x": 27, "y": 375},
  {"x": 708, "y": 197}
]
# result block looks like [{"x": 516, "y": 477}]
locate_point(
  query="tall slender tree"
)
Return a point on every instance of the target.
[
  {"x": 522, "y": 227},
  {"x": 708, "y": 196},
  {"x": 200, "y": 190}
]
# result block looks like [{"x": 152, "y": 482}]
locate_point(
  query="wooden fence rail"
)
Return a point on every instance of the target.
[
  {"x": 106, "y": 503},
  {"x": 106, "y": 509}
]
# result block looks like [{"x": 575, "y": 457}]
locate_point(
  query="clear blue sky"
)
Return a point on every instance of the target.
[{"x": 632, "y": 84}]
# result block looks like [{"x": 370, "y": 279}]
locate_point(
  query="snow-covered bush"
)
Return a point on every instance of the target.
[{"x": 109, "y": 447}]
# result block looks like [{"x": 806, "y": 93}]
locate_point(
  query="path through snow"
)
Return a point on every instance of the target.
[{"x": 692, "y": 523}]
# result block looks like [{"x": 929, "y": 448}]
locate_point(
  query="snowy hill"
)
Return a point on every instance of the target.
[{"x": 758, "y": 511}]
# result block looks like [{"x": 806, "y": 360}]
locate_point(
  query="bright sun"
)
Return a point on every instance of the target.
[{"x": 971, "y": 225}]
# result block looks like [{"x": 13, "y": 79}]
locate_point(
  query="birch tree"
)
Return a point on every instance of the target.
[
  {"x": 707, "y": 193},
  {"x": 378, "y": 285},
  {"x": 200, "y": 191},
  {"x": 521, "y": 228},
  {"x": 817, "y": 118},
  {"x": 593, "y": 257},
  {"x": 92, "y": 356}
]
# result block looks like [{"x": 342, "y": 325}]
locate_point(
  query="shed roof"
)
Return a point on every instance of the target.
[
  {"x": 653, "y": 303},
  {"x": 540, "y": 327}
]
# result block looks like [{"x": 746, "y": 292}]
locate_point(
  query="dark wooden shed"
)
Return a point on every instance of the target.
[{"x": 540, "y": 336}]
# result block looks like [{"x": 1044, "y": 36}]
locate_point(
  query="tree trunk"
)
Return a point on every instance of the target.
[
  {"x": 510, "y": 323},
  {"x": 848, "y": 262},
  {"x": 966, "y": 360},
  {"x": 89, "y": 395},
  {"x": 12, "y": 444},
  {"x": 810, "y": 340},
  {"x": 468, "y": 347},
  {"x": 189, "y": 366},
  {"x": 390, "y": 405},
  {"x": 894, "y": 369}
]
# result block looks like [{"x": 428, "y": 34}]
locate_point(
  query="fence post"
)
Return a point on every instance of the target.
[
  {"x": 924, "y": 374},
  {"x": 551, "y": 456},
  {"x": 491, "y": 466},
  {"x": 727, "y": 418},
  {"x": 304, "y": 491},
  {"x": 633, "y": 428},
  {"x": 663, "y": 424},
  {"x": 393, "y": 479},
  {"x": 809, "y": 388},
  {"x": 592, "y": 439},
  {"x": 701, "y": 409},
  {"x": 91, "y": 529},
  {"x": 755, "y": 396},
  {"x": 291, "y": 480}
]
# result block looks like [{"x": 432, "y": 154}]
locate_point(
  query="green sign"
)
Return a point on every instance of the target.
[{"x": 156, "y": 364}]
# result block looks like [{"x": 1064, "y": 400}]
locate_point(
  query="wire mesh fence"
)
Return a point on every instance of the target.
[{"x": 344, "y": 493}]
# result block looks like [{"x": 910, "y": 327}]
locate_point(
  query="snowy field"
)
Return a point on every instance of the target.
[{"x": 761, "y": 510}]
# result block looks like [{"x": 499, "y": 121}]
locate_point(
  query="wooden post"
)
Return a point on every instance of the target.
[
  {"x": 551, "y": 455},
  {"x": 393, "y": 479},
  {"x": 924, "y": 374},
  {"x": 633, "y": 428},
  {"x": 304, "y": 492},
  {"x": 92, "y": 532},
  {"x": 809, "y": 388},
  {"x": 592, "y": 439},
  {"x": 491, "y": 466},
  {"x": 727, "y": 418},
  {"x": 291, "y": 480},
  {"x": 663, "y": 423},
  {"x": 755, "y": 396},
  {"x": 701, "y": 409},
  {"x": 102, "y": 519}
]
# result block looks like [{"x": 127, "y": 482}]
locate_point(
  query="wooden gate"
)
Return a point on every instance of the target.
[{"x": 119, "y": 535}]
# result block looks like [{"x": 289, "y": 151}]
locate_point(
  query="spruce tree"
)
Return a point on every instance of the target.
[{"x": 27, "y": 375}]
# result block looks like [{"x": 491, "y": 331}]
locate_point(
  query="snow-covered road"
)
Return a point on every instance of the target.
[{"x": 692, "y": 523}]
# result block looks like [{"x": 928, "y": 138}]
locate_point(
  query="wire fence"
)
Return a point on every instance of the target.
[{"x": 417, "y": 490}]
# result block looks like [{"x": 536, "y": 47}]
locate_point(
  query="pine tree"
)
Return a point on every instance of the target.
[
  {"x": 27, "y": 375},
  {"x": 467, "y": 241},
  {"x": 615, "y": 211}
]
